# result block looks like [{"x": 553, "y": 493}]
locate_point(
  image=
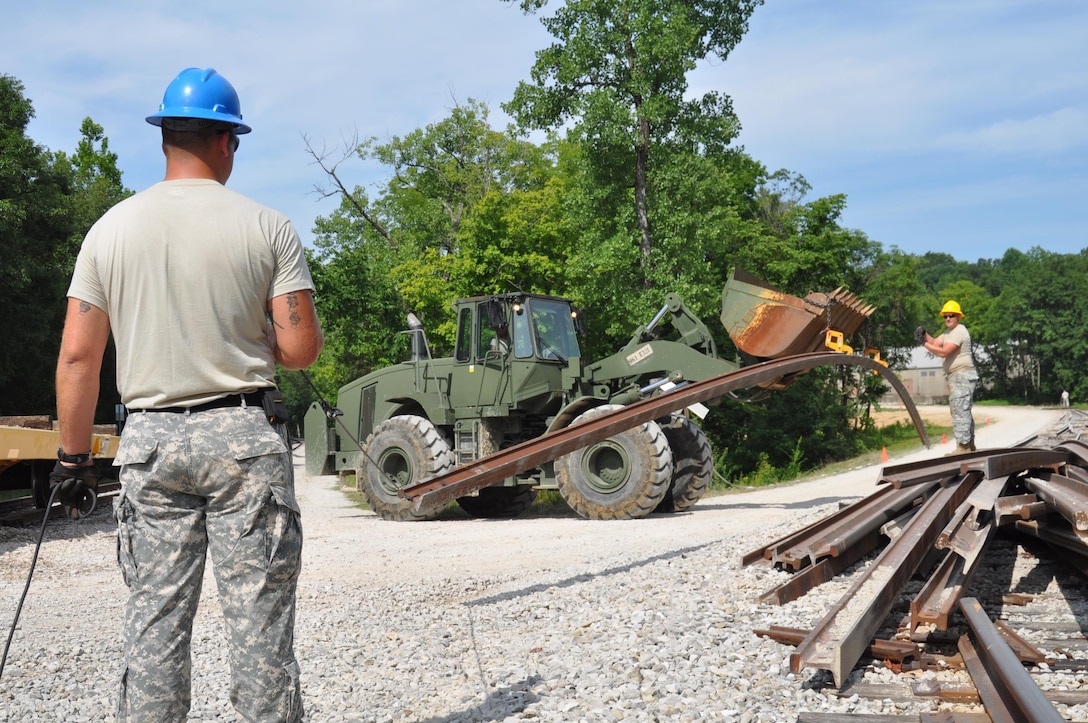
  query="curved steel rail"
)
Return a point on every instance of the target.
[{"x": 436, "y": 491}]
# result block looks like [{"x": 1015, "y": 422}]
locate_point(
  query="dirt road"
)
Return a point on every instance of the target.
[{"x": 380, "y": 551}]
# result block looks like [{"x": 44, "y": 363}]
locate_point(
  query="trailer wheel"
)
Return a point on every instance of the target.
[
  {"x": 623, "y": 477},
  {"x": 402, "y": 451},
  {"x": 498, "y": 502},
  {"x": 692, "y": 461},
  {"x": 39, "y": 482}
]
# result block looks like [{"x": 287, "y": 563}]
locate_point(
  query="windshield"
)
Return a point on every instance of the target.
[{"x": 549, "y": 327}]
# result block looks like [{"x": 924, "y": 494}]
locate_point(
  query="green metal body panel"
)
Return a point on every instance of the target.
[
  {"x": 535, "y": 383},
  {"x": 517, "y": 373},
  {"x": 512, "y": 391}
]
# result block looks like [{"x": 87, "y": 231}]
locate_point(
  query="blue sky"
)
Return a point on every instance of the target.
[{"x": 958, "y": 126}]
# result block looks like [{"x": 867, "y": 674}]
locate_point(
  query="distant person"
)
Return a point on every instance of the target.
[
  {"x": 1065, "y": 398},
  {"x": 954, "y": 348},
  {"x": 205, "y": 291}
]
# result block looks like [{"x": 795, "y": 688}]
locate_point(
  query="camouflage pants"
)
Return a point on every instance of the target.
[
  {"x": 216, "y": 483},
  {"x": 961, "y": 393}
]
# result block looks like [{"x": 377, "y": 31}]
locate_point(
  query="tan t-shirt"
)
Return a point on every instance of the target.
[
  {"x": 961, "y": 360},
  {"x": 185, "y": 271}
]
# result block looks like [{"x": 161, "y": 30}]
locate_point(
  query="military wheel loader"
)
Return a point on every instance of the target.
[{"x": 517, "y": 375}]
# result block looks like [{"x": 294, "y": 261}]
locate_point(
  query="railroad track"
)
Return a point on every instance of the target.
[
  {"x": 23, "y": 510},
  {"x": 930, "y": 536}
]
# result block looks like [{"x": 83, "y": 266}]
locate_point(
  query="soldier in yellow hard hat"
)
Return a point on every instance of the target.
[{"x": 954, "y": 348}]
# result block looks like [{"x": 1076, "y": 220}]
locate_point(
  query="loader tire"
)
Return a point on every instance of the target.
[
  {"x": 400, "y": 452},
  {"x": 692, "y": 462},
  {"x": 497, "y": 503},
  {"x": 623, "y": 477}
]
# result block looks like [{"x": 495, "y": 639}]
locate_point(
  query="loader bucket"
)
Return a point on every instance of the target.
[{"x": 770, "y": 324}]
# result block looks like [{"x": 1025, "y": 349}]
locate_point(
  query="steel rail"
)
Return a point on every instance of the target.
[
  {"x": 1076, "y": 448},
  {"x": 1058, "y": 536},
  {"x": 432, "y": 493},
  {"x": 929, "y": 470},
  {"x": 838, "y": 641},
  {"x": 1008, "y": 510},
  {"x": 1004, "y": 463},
  {"x": 824, "y": 570},
  {"x": 1007, "y": 690},
  {"x": 965, "y": 537},
  {"x": 944, "y": 588},
  {"x": 846, "y": 528},
  {"x": 1068, "y": 496}
]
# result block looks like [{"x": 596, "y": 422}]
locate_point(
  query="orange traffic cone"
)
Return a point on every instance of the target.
[
  {"x": 944, "y": 439},
  {"x": 884, "y": 455}
]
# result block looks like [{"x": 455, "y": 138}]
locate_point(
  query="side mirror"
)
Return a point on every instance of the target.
[{"x": 496, "y": 314}]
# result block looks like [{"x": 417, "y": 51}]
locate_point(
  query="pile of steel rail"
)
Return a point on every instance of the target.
[{"x": 935, "y": 518}]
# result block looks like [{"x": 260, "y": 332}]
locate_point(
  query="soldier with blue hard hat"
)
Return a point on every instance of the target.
[{"x": 205, "y": 291}]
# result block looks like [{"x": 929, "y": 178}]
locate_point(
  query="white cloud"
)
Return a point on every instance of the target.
[{"x": 1050, "y": 133}]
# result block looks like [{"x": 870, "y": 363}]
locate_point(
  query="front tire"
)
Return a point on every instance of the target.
[
  {"x": 402, "y": 451},
  {"x": 623, "y": 477},
  {"x": 693, "y": 464}
]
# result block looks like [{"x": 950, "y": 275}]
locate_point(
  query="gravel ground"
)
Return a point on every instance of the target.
[{"x": 534, "y": 619}]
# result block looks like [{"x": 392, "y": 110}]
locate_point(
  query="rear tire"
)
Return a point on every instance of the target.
[
  {"x": 402, "y": 451},
  {"x": 693, "y": 464},
  {"x": 498, "y": 502},
  {"x": 623, "y": 477},
  {"x": 39, "y": 482}
]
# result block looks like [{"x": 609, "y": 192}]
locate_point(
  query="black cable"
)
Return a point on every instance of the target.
[
  {"x": 334, "y": 414},
  {"x": 29, "y": 576}
]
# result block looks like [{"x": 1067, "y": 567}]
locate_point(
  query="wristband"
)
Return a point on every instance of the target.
[{"x": 72, "y": 458}]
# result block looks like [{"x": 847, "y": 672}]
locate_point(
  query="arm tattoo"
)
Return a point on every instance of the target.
[
  {"x": 84, "y": 307},
  {"x": 292, "y": 305}
]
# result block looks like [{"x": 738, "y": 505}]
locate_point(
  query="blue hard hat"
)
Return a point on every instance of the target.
[{"x": 201, "y": 94}]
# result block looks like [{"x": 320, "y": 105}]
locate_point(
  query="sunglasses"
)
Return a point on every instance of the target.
[
  {"x": 947, "y": 316},
  {"x": 233, "y": 139}
]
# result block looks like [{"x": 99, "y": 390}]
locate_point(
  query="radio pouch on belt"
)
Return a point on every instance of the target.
[{"x": 274, "y": 407}]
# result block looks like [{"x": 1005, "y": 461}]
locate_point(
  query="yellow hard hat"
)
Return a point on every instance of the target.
[{"x": 952, "y": 307}]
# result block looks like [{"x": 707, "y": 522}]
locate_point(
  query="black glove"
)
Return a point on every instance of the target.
[
  {"x": 920, "y": 335},
  {"x": 77, "y": 486}
]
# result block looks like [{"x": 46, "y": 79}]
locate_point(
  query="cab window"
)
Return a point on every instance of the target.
[{"x": 463, "y": 349}]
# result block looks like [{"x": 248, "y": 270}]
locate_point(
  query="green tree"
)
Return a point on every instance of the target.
[
  {"x": 36, "y": 224},
  {"x": 466, "y": 210},
  {"x": 803, "y": 246},
  {"x": 1033, "y": 330},
  {"x": 97, "y": 184},
  {"x": 619, "y": 69},
  {"x": 902, "y": 304},
  {"x": 48, "y": 201}
]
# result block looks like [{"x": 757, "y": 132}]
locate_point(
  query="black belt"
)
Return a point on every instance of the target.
[{"x": 253, "y": 399}]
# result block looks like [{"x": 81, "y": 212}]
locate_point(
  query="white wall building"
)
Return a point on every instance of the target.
[{"x": 923, "y": 378}]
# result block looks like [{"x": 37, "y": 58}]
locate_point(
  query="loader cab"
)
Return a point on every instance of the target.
[{"x": 517, "y": 327}]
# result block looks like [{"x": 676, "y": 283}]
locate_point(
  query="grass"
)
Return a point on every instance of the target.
[
  {"x": 896, "y": 446},
  {"x": 898, "y": 439}
]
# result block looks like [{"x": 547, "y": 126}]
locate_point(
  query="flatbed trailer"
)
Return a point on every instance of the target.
[{"x": 24, "y": 440}]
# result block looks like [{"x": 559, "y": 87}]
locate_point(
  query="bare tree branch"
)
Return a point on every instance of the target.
[{"x": 338, "y": 188}]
